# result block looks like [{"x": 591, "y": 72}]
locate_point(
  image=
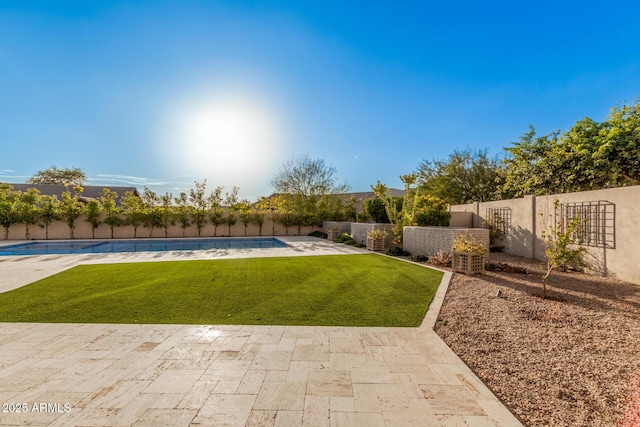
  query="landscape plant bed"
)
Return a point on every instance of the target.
[
  {"x": 345, "y": 290},
  {"x": 570, "y": 360}
]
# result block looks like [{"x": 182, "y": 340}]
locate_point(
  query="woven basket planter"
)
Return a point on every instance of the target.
[
  {"x": 376, "y": 245},
  {"x": 468, "y": 262}
]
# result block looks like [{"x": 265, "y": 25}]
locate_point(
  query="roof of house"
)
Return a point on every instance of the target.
[
  {"x": 360, "y": 195},
  {"x": 88, "y": 191}
]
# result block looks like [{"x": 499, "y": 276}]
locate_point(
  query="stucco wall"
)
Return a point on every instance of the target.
[
  {"x": 82, "y": 230},
  {"x": 461, "y": 219},
  {"x": 533, "y": 214},
  {"x": 429, "y": 240}
]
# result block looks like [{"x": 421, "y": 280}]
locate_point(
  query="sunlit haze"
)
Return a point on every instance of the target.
[{"x": 165, "y": 93}]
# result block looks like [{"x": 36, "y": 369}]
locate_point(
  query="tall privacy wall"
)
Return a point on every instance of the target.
[
  {"x": 82, "y": 230},
  {"x": 358, "y": 230},
  {"x": 430, "y": 240},
  {"x": 610, "y": 230}
]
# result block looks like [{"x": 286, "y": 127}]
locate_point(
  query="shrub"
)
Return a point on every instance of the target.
[
  {"x": 495, "y": 238},
  {"x": 398, "y": 251},
  {"x": 466, "y": 243},
  {"x": 442, "y": 258},
  {"x": 431, "y": 211},
  {"x": 376, "y": 210},
  {"x": 319, "y": 234},
  {"x": 418, "y": 258},
  {"x": 377, "y": 234},
  {"x": 348, "y": 240}
]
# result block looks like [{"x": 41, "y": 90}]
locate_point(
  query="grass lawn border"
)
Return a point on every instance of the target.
[{"x": 324, "y": 290}]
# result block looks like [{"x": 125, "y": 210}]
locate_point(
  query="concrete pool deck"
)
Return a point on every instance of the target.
[{"x": 181, "y": 375}]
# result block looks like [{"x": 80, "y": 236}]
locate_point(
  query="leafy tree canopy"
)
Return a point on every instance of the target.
[
  {"x": 307, "y": 177},
  {"x": 464, "y": 177},
  {"x": 588, "y": 156},
  {"x": 68, "y": 177}
]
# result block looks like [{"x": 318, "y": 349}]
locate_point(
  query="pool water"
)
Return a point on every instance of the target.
[{"x": 159, "y": 245}]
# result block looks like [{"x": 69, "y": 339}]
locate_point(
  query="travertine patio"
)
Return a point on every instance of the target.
[{"x": 125, "y": 375}]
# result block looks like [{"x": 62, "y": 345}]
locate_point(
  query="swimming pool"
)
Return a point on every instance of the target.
[{"x": 146, "y": 245}]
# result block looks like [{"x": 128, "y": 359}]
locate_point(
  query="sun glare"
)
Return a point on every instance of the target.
[{"x": 229, "y": 137}]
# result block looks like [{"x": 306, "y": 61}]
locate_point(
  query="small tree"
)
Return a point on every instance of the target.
[
  {"x": 153, "y": 213},
  {"x": 283, "y": 212},
  {"x": 71, "y": 208},
  {"x": 49, "y": 211},
  {"x": 200, "y": 205},
  {"x": 110, "y": 208},
  {"x": 563, "y": 248},
  {"x": 246, "y": 213},
  {"x": 399, "y": 217},
  {"x": 92, "y": 211},
  {"x": 166, "y": 212},
  {"x": 216, "y": 211},
  {"x": 182, "y": 212},
  {"x": 264, "y": 206},
  {"x": 134, "y": 211},
  {"x": 231, "y": 202},
  {"x": 8, "y": 201},
  {"x": 27, "y": 209}
]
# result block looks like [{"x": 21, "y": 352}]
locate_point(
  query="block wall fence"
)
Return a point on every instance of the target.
[
  {"x": 429, "y": 240},
  {"x": 82, "y": 230},
  {"x": 530, "y": 215}
]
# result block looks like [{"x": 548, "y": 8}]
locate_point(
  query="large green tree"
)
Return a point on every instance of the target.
[
  {"x": 588, "y": 156},
  {"x": 466, "y": 176}
]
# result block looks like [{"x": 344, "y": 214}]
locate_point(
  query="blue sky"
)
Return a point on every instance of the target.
[{"x": 164, "y": 93}]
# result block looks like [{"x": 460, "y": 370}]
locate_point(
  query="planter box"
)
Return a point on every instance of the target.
[
  {"x": 468, "y": 262},
  {"x": 376, "y": 245},
  {"x": 333, "y": 234}
]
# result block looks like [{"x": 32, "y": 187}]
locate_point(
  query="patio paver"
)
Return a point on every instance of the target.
[{"x": 125, "y": 375}]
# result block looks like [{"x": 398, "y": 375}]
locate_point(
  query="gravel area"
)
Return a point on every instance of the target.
[{"x": 572, "y": 359}]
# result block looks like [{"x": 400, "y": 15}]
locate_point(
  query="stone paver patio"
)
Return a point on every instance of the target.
[{"x": 213, "y": 375}]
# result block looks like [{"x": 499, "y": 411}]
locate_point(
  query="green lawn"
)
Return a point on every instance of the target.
[{"x": 347, "y": 290}]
